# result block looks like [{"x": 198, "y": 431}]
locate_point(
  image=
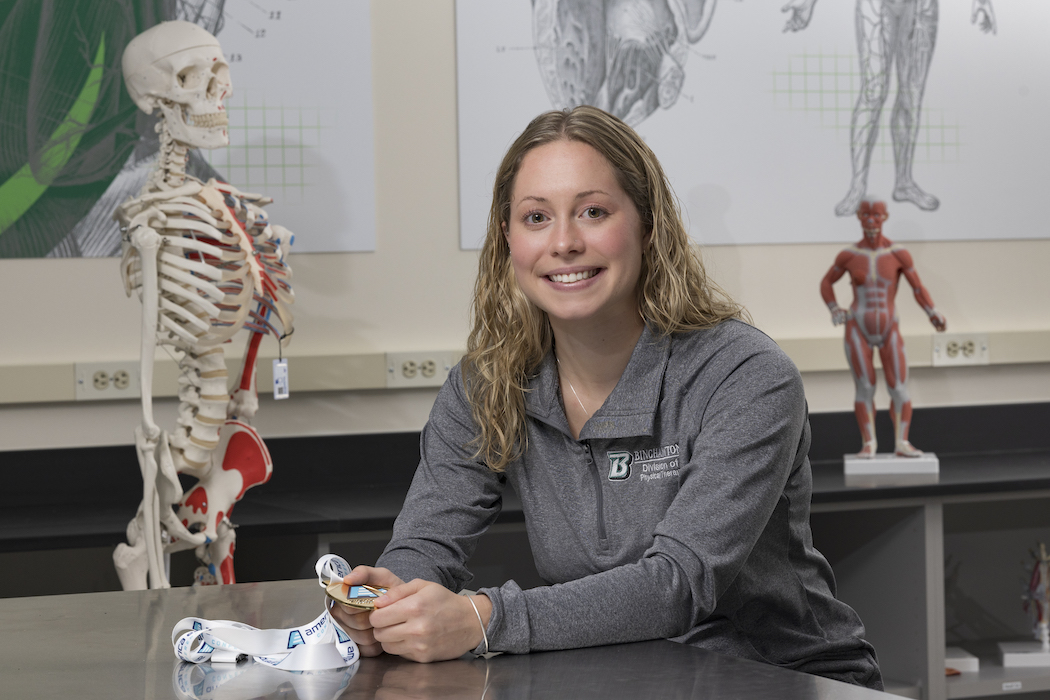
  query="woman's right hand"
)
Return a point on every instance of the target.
[{"x": 356, "y": 622}]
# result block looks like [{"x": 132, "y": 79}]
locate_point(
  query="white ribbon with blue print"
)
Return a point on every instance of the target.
[{"x": 320, "y": 645}]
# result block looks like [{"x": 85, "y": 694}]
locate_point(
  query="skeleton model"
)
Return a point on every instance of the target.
[
  {"x": 875, "y": 266},
  {"x": 624, "y": 56},
  {"x": 888, "y": 32},
  {"x": 1037, "y": 597},
  {"x": 206, "y": 263}
]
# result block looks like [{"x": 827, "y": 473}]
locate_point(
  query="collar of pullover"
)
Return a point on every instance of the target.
[{"x": 631, "y": 407}]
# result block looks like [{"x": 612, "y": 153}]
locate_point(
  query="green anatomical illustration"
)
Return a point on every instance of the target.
[
  {"x": 27, "y": 185},
  {"x": 72, "y": 143}
]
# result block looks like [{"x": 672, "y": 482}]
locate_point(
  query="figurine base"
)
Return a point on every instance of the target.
[
  {"x": 889, "y": 463},
  {"x": 1023, "y": 654},
  {"x": 961, "y": 660},
  {"x": 884, "y": 480}
]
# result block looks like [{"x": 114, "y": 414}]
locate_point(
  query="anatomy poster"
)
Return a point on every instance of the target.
[
  {"x": 772, "y": 119},
  {"x": 75, "y": 146},
  {"x": 301, "y": 117}
]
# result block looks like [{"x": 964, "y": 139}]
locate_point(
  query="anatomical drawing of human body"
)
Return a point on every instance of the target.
[
  {"x": 206, "y": 264},
  {"x": 624, "y": 56},
  {"x": 875, "y": 265},
  {"x": 891, "y": 34}
]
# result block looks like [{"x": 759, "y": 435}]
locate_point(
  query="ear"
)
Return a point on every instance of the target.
[{"x": 506, "y": 231}]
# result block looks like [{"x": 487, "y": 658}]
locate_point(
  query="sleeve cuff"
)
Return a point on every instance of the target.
[{"x": 508, "y": 628}]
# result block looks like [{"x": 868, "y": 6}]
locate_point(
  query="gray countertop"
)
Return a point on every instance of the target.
[{"x": 117, "y": 645}]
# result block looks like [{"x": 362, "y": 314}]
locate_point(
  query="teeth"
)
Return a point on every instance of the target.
[
  {"x": 208, "y": 120},
  {"x": 573, "y": 277}
]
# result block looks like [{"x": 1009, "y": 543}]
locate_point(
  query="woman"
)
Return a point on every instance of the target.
[{"x": 658, "y": 443}]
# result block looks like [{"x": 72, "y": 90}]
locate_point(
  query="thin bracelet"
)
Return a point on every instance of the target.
[{"x": 483, "y": 634}]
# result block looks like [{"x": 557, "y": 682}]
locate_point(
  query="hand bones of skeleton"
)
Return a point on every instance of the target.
[
  {"x": 624, "y": 56},
  {"x": 206, "y": 263}
]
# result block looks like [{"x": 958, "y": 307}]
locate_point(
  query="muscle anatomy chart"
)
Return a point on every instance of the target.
[
  {"x": 301, "y": 119},
  {"x": 752, "y": 117},
  {"x": 626, "y": 56}
]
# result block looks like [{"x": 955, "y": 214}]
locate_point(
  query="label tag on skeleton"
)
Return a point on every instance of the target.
[{"x": 280, "y": 379}]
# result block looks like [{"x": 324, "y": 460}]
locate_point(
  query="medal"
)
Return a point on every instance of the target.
[{"x": 358, "y": 597}]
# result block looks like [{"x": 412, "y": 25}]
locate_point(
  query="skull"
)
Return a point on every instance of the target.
[{"x": 179, "y": 67}]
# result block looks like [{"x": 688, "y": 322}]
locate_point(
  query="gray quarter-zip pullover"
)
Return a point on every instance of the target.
[{"x": 682, "y": 511}]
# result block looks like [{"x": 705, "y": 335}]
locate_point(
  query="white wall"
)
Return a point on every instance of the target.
[{"x": 413, "y": 292}]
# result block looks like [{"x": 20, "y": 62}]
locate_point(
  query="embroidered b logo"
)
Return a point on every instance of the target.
[{"x": 619, "y": 465}]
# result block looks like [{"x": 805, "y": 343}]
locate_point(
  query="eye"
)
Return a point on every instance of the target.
[
  {"x": 189, "y": 77},
  {"x": 593, "y": 213},
  {"x": 535, "y": 217}
]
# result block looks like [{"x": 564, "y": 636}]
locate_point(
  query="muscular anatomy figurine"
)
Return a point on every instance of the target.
[
  {"x": 206, "y": 264},
  {"x": 875, "y": 266}
]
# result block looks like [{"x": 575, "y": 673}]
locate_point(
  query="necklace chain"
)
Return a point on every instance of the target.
[{"x": 573, "y": 389}]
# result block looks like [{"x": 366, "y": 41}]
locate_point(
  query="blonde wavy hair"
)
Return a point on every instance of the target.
[{"x": 511, "y": 336}]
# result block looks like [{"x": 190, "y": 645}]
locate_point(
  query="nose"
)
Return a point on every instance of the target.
[{"x": 565, "y": 239}]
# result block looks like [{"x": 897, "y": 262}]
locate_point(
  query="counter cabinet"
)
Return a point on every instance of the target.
[{"x": 935, "y": 563}]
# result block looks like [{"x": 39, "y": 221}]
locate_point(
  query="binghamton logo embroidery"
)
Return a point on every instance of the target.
[
  {"x": 652, "y": 463},
  {"x": 619, "y": 465}
]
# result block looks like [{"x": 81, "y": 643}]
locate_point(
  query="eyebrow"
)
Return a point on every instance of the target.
[{"x": 544, "y": 200}]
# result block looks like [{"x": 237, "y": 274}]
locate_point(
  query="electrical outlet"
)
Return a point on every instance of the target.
[
  {"x": 99, "y": 381},
  {"x": 955, "y": 349},
  {"x": 418, "y": 369}
]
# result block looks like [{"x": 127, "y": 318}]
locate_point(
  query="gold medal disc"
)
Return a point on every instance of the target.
[{"x": 339, "y": 592}]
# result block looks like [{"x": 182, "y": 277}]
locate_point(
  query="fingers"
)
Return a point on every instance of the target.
[
  {"x": 400, "y": 592},
  {"x": 371, "y": 576},
  {"x": 355, "y": 620},
  {"x": 423, "y": 621},
  {"x": 370, "y": 650},
  {"x": 356, "y": 624},
  {"x": 359, "y": 630},
  {"x": 794, "y": 21},
  {"x": 389, "y": 622}
]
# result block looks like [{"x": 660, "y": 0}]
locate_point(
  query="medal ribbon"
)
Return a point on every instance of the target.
[{"x": 319, "y": 645}]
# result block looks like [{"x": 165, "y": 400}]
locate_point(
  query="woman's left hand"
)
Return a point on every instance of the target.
[
  {"x": 424, "y": 621},
  {"x": 356, "y": 622}
]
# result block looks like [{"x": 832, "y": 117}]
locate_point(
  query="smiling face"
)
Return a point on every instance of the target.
[{"x": 575, "y": 236}]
